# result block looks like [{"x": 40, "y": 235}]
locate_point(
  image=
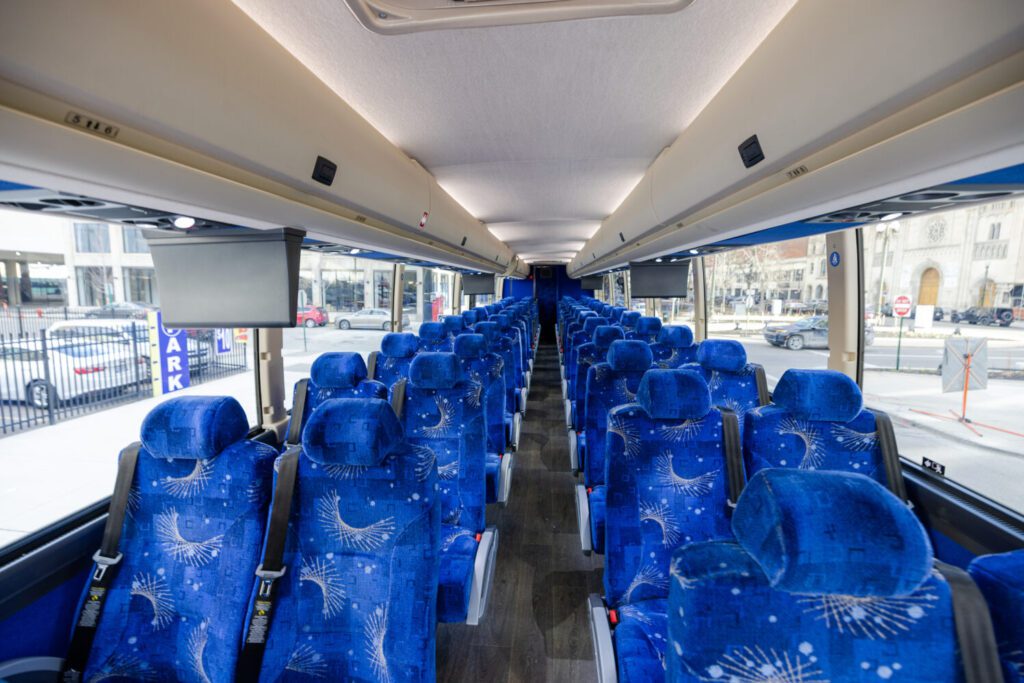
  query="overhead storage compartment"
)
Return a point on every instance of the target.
[{"x": 200, "y": 85}]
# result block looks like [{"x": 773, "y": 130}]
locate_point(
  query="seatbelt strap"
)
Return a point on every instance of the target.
[
  {"x": 398, "y": 397},
  {"x": 974, "y": 633},
  {"x": 371, "y": 364},
  {"x": 107, "y": 559},
  {"x": 733, "y": 449},
  {"x": 294, "y": 436},
  {"x": 763, "y": 397},
  {"x": 890, "y": 454},
  {"x": 250, "y": 660}
]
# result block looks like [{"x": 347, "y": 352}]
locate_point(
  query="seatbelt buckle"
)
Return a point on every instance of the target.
[
  {"x": 267, "y": 579},
  {"x": 103, "y": 563}
]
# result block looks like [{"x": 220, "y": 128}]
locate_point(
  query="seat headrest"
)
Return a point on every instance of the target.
[
  {"x": 338, "y": 370},
  {"x": 489, "y": 330},
  {"x": 399, "y": 345},
  {"x": 435, "y": 370},
  {"x": 616, "y": 313},
  {"x": 453, "y": 323},
  {"x": 193, "y": 427},
  {"x": 629, "y": 319},
  {"x": 432, "y": 331},
  {"x": 674, "y": 395},
  {"x": 606, "y": 310},
  {"x": 818, "y": 395},
  {"x": 352, "y": 431},
  {"x": 503, "y": 321},
  {"x": 629, "y": 355},
  {"x": 676, "y": 336},
  {"x": 605, "y": 335},
  {"x": 727, "y": 355},
  {"x": 470, "y": 346},
  {"x": 592, "y": 324},
  {"x": 827, "y": 532},
  {"x": 469, "y": 317},
  {"x": 648, "y": 324}
]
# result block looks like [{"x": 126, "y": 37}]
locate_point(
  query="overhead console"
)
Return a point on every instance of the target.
[
  {"x": 191, "y": 108},
  {"x": 815, "y": 122}
]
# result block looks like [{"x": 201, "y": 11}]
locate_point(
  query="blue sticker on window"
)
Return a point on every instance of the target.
[{"x": 834, "y": 258}]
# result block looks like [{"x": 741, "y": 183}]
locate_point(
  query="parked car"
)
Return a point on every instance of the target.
[
  {"x": 75, "y": 370},
  {"x": 983, "y": 315},
  {"x": 311, "y": 316},
  {"x": 123, "y": 309},
  {"x": 200, "y": 344},
  {"x": 369, "y": 318},
  {"x": 807, "y": 333}
]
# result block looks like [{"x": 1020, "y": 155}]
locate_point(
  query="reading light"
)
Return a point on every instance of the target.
[
  {"x": 184, "y": 222},
  {"x": 657, "y": 260},
  {"x": 695, "y": 251},
  {"x": 354, "y": 250},
  {"x": 892, "y": 216}
]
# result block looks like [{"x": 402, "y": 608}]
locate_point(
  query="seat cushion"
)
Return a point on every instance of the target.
[
  {"x": 1001, "y": 580},
  {"x": 640, "y": 641},
  {"x": 492, "y": 473},
  {"x": 457, "y": 557},
  {"x": 597, "y": 498}
]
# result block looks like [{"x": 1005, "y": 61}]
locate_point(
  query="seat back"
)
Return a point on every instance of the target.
[
  {"x": 666, "y": 482},
  {"x": 515, "y": 343},
  {"x": 674, "y": 347},
  {"x": 646, "y": 330},
  {"x": 486, "y": 368},
  {"x": 1001, "y": 580},
  {"x": 444, "y": 412},
  {"x": 616, "y": 314},
  {"x": 591, "y": 353},
  {"x": 816, "y": 422},
  {"x": 732, "y": 381},
  {"x": 434, "y": 337},
  {"x": 831, "y": 578},
  {"x": 609, "y": 384},
  {"x": 455, "y": 324},
  {"x": 337, "y": 374},
  {"x": 469, "y": 317},
  {"x": 191, "y": 541},
  {"x": 500, "y": 344},
  {"x": 397, "y": 350},
  {"x": 357, "y": 601},
  {"x": 584, "y": 336},
  {"x": 629, "y": 320}
]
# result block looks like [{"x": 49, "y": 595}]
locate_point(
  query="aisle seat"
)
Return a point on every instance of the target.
[
  {"x": 1001, "y": 580},
  {"x": 629, "y": 321},
  {"x": 357, "y": 598},
  {"x": 500, "y": 344},
  {"x": 587, "y": 355},
  {"x": 674, "y": 347},
  {"x": 337, "y": 374},
  {"x": 734, "y": 383},
  {"x": 434, "y": 336},
  {"x": 584, "y": 336},
  {"x": 647, "y": 329},
  {"x": 391, "y": 363}
]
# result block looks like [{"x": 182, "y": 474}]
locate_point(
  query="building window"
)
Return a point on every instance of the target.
[
  {"x": 993, "y": 230},
  {"x": 134, "y": 242},
  {"x": 92, "y": 238},
  {"x": 140, "y": 285},
  {"x": 95, "y": 285}
]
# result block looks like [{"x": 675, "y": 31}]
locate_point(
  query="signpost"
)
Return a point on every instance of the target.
[
  {"x": 901, "y": 307},
  {"x": 168, "y": 356}
]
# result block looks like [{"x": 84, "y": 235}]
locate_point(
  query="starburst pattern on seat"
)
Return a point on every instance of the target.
[
  {"x": 693, "y": 486},
  {"x": 305, "y": 660},
  {"x": 196, "y": 646},
  {"x": 755, "y": 665},
  {"x": 124, "y": 667},
  {"x": 626, "y": 429},
  {"x": 425, "y": 461},
  {"x": 814, "y": 450},
  {"x": 648, "y": 575},
  {"x": 445, "y": 419},
  {"x": 376, "y": 632},
  {"x": 853, "y": 440},
  {"x": 191, "y": 484},
  {"x": 683, "y": 432},
  {"x": 154, "y": 589},
  {"x": 369, "y": 537},
  {"x": 871, "y": 617},
  {"x": 193, "y": 553},
  {"x": 661, "y": 515},
  {"x": 324, "y": 575}
]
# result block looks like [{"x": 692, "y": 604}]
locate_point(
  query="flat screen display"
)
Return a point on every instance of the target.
[
  {"x": 478, "y": 284},
  {"x": 592, "y": 282},
  {"x": 657, "y": 280}
]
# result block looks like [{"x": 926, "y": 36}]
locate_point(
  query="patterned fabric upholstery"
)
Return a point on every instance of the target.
[
  {"x": 516, "y": 342},
  {"x": 1001, "y": 580},
  {"x": 732, "y": 381},
  {"x": 435, "y": 337},
  {"x": 647, "y": 329},
  {"x": 357, "y": 601},
  {"x": 815, "y": 423},
  {"x": 666, "y": 482},
  {"x": 616, "y": 314},
  {"x": 191, "y": 540},
  {"x": 500, "y": 345},
  {"x": 674, "y": 347},
  {"x": 629, "y": 320},
  {"x": 396, "y": 353},
  {"x": 339, "y": 374},
  {"x": 444, "y": 412},
  {"x": 488, "y": 369},
  {"x": 831, "y": 580},
  {"x": 454, "y": 324},
  {"x": 584, "y": 336},
  {"x": 595, "y": 351},
  {"x": 470, "y": 318},
  {"x": 640, "y": 641}
]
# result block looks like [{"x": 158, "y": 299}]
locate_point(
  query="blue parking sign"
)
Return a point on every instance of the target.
[
  {"x": 168, "y": 356},
  {"x": 223, "y": 338}
]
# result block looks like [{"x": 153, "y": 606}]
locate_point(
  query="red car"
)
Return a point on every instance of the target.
[{"x": 311, "y": 316}]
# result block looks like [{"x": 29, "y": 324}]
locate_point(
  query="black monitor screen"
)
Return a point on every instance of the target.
[
  {"x": 592, "y": 282},
  {"x": 478, "y": 284},
  {"x": 655, "y": 280}
]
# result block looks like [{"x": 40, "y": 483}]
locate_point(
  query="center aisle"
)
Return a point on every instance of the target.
[{"x": 535, "y": 628}]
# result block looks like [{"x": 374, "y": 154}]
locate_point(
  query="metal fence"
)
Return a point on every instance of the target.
[{"x": 56, "y": 373}]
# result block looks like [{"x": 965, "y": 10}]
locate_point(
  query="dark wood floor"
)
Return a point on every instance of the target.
[{"x": 535, "y": 628}]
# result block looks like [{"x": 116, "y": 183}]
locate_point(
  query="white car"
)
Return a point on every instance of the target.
[
  {"x": 368, "y": 318},
  {"x": 71, "y": 370},
  {"x": 200, "y": 351}
]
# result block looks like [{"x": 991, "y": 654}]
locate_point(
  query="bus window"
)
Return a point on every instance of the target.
[
  {"x": 959, "y": 277},
  {"x": 426, "y": 294},
  {"x": 774, "y": 299},
  {"x": 77, "y": 361}
]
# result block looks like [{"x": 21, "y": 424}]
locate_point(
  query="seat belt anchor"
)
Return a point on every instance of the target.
[
  {"x": 103, "y": 563},
  {"x": 267, "y": 579}
]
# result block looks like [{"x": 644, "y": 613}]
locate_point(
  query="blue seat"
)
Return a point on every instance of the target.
[
  {"x": 733, "y": 382},
  {"x": 357, "y": 601},
  {"x": 337, "y": 374},
  {"x": 816, "y": 421},
  {"x": 469, "y": 318},
  {"x": 455, "y": 324},
  {"x": 434, "y": 336},
  {"x": 1001, "y": 580},
  {"x": 674, "y": 347},
  {"x": 647, "y": 329},
  {"x": 500, "y": 344},
  {"x": 628, "y": 321},
  {"x": 396, "y": 353},
  {"x": 572, "y": 378},
  {"x": 830, "y": 578},
  {"x": 443, "y": 413},
  {"x": 191, "y": 542},
  {"x": 587, "y": 355}
]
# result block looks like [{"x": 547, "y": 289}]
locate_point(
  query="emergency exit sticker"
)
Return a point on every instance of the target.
[
  {"x": 168, "y": 356},
  {"x": 833, "y": 258}
]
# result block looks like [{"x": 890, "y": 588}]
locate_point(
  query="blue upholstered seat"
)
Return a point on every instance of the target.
[
  {"x": 455, "y": 324},
  {"x": 830, "y": 579},
  {"x": 816, "y": 421},
  {"x": 357, "y": 601},
  {"x": 338, "y": 374},
  {"x": 588, "y": 354},
  {"x": 584, "y": 336},
  {"x": 444, "y": 412},
  {"x": 674, "y": 347},
  {"x": 396, "y": 353},
  {"x": 615, "y": 315},
  {"x": 640, "y": 640},
  {"x": 646, "y": 330},
  {"x": 434, "y": 336},
  {"x": 732, "y": 381},
  {"x": 191, "y": 542},
  {"x": 470, "y": 318},
  {"x": 628, "y": 321},
  {"x": 1001, "y": 580},
  {"x": 487, "y": 369},
  {"x": 502, "y": 346}
]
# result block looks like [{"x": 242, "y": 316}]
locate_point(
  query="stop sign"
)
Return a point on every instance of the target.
[{"x": 901, "y": 306}]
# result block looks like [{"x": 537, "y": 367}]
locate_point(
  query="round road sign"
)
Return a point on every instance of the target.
[{"x": 901, "y": 306}]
